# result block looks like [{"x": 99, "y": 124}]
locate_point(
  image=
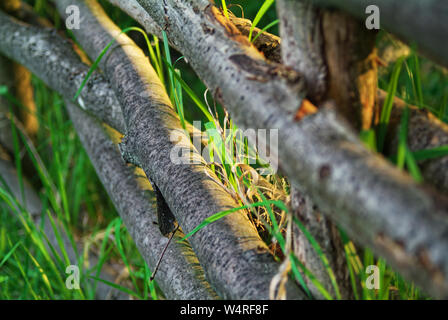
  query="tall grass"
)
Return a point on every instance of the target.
[{"x": 71, "y": 193}]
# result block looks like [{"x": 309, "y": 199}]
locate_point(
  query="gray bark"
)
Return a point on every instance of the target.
[
  {"x": 376, "y": 204},
  {"x": 425, "y": 131},
  {"x": 51, "y": 57},
  {"x": 201, "y": 31},
  {"x": 422, "y": 22},
  {"x": 313, "y": 69},
  {"x": 134, "y": 10},
  {"x": 302, "y": 49},
  {"x": 28, "y": 35},
  {"x": 179, "y": 275},
  {"x": 267, "y": 43},
  {"x": 236, "y": 261}
]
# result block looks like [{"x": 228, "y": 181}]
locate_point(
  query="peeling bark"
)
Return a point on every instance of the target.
[
  {"x": 219, "y": 47},
  {"x": 266, "y": 43},
  {"x": 314, "y": 73},
  {"x": 376, "y": 204},
  {"x": 29, "y": 36},
  {"x": 237, "y": 263}
]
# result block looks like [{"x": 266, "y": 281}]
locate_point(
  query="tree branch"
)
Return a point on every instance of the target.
[
  {"x": 230, "y": 249},
  {"x": 376, "y": 204},
  {"x": 51, "y": 57},
  {"x": 315, "y": 73},
  {"x": 423, "y": 22},
  {"x": 179, "y": 275},
  {"x": 303, "y": 48}
]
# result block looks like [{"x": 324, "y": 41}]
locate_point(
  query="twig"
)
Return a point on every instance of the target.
[{"x": 163, "y": 253}]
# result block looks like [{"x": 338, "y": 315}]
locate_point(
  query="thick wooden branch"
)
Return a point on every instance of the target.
[
  {"x": 179, "y": 275},
  {"x": 303, "y": 49},
  {"x": 377, "y": 205},
  {"x": 29, "y": 36},
  {"x": 267, "y": 43},
  {"x": 415, "y": 21},
  {"x": 303, "y": 44},
  {"x": 52, "y": 58},
  {"x": 314, "y": 74},
  {"x": 230, "y": 249}
]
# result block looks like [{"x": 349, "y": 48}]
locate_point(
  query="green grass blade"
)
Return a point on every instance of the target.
[
  {"x": 269, "y": 26},
  {"x": 222, "y": 214},
  {"x": 9, "y": 254},
  {"x": 100, "y": 57},
  {"x": 388, "y": 104},
  {"x": 224, "y": 8},
  {"x": 418, "y": 78},
  {"x": 428, "y": 154},
  {"x": 402, "y": 139},
  {"x": 413, "y": 168},
  {"x": 264, "y": 8},
  {"x": 191, "y": 93},
  {"x": 122, "y": 253},
  {"x": 321, "y": 255}
]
